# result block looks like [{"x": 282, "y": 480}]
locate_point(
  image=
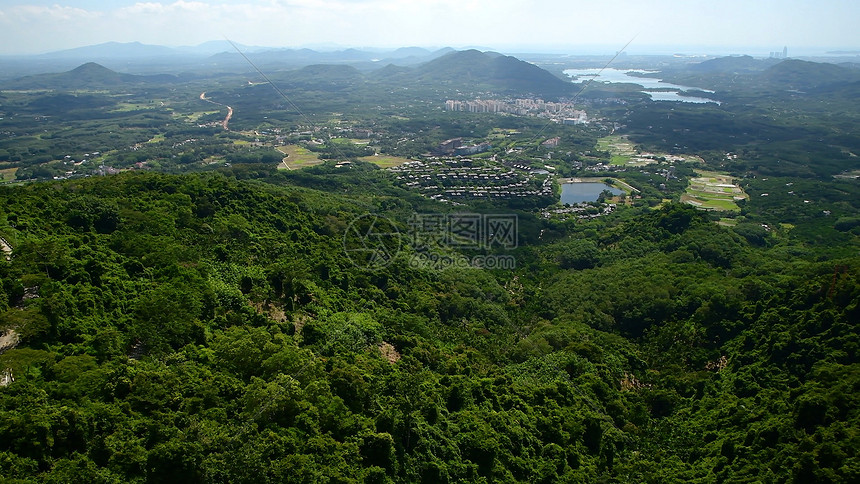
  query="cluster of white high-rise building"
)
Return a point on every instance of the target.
[
  {"x": 524, "y": 107},
  {"x": 477, "y": 106},
  {"x": 780, "y": 55}
]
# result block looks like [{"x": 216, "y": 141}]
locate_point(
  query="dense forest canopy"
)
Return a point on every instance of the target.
[
  {"x": 187, "y": 301},
  {"x": 199, "y": 327}
]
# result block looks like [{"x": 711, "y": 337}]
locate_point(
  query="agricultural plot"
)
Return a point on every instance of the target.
[
  {"x": 124, "y": 107},
  {"x": 195, "y": 116},
  {"x": 713, "y": 191},
  {"x": 624, "y": 153},
  {"x": 297, "y": 157},
  {"x": 384, "y": 161},
  {"x": 620, "y": 149},
  {"x": 499, "y": 134},
  {"x": 7, "y": 174}
]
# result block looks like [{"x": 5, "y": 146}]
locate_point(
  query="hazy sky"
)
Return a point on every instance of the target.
[{"x": 692, "y": 26}]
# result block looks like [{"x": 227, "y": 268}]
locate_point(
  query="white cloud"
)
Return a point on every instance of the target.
[{"x": 30, "y": 27}]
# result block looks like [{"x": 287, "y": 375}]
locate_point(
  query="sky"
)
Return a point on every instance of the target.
[{"x": 573, "y": 26}]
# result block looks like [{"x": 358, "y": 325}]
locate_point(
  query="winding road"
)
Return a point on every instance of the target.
[
  {"x": 226, "y": 121},
  {"x": 6, "y": 249}
]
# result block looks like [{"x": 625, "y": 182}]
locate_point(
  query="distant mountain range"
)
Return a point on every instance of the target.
[
  {"x": 783, "y": 74},
  {"x": 414, "y": 66},
  {"x": 127, "y": 63},
  {"x": 798, "y": 74},
  {"x": 215, "y": 56},
  {"x": 470, "y": 69},
  {"x": 87, "y": 76},
  {"x": 223, "y": 52},
  {"x": 133, "y": 50},
  {"x": 112, "y": 50},
  {"x": 741, "y": 64}
]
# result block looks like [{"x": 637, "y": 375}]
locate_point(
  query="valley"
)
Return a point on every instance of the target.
[{"x": 429, "y": 266}]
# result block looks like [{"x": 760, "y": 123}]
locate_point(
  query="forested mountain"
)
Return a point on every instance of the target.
[
  {"x": 733, "y": 65},
  {"x": 468, "y": 69},
  {"x": 745, "y": 73},
  {"x": 798, "y": 74},
  {"x": 205, "y": 328},
  {"x": 500, "y": 72},
  {"x": 86, "y": 76},
  {"x": 114, "y": 50},
  {"x": 210, "y": 57}
]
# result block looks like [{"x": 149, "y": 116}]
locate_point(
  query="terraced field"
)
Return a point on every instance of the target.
[{"x": 713, "y": 191}]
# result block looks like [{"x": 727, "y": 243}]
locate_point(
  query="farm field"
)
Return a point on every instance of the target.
[
  {"x": 7, "y": 174},
  {"x": 713, "y": 191},
  {"x": 297, "y": 157},
  {"x": 621, "y": 150},
  {"x": 384, "y": 161},
  {"x": 624, "y": 153}
]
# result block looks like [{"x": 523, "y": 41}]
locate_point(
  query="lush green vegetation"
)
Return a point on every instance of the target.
[
  {"x": 203, "y": 322},
  {"x": 201, "y": 328}
]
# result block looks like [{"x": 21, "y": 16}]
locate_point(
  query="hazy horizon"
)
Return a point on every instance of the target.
[
  {"x": 572, "y": 50},
  {"x": 661, "y": 27}
]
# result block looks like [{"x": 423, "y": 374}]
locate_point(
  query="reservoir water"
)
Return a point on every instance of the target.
[
  {"x": 585, "y": 191},
  {"x": 667, "y": 91}
]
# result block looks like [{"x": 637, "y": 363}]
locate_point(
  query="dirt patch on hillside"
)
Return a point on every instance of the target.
[
  {"x": 389, "y": 352},
  {"x": 8, "y": 340}
]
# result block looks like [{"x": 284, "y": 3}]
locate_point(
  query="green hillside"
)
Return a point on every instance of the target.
[
  {"x": 201, "y": 328},
  {"x": 500, "y": 72},
  {"x": 86, "y": 76}
]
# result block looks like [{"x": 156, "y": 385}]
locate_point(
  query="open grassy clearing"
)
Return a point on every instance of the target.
[
  {"x": 7, "y": 174},
  {"x": 622, "y": 152},
  {"x": 125, "y": 107},
  {"x": 194, "y": 116},
  {"x": 501, "y": 133},
  {"x": 297, "y": 157},
  {"x": 385, "y": 161},
  {"x": 620, "y": 149}
]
